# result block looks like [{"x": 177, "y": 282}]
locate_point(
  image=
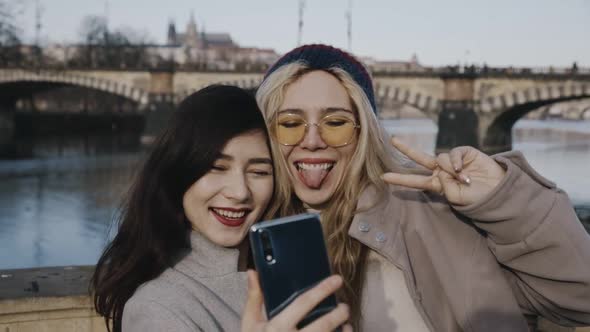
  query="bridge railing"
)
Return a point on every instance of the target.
[
  {"x": 583, "y": 73},
  {"x": 119, "y": 58},
  {"x": 131, "y": 68},
  {"x": 484, "y": 71},
  {"x": 124, "y": 59}
]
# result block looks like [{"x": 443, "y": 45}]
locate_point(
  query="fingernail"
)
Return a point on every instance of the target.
[{"x": 467, "y": 179}]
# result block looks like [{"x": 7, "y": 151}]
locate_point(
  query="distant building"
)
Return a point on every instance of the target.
[
  {"x": 212, "y": 50},
  {"x": 378, "y": 66},
  {"x": 196, "y": 49},
  {"x": 195, "y": 39},
  {"x": 193, "y": 49}
]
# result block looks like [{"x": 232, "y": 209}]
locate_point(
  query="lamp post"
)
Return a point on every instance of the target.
[{"x": 300, "y": 21}]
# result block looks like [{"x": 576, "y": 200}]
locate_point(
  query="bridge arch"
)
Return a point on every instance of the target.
[
  {"x": 425, "y": 103},
  {"x": 585, "y": 111},
  {"x": 546, "y": 94},
  {"x": 545, "y": 112},
  {"x": 571, "y": 113},
  {"x": 504, "y": 110},
  {"x": 137, "y": 95}
]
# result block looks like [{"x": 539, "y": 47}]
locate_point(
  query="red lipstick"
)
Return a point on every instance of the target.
[{"x": 230, "y": 222}]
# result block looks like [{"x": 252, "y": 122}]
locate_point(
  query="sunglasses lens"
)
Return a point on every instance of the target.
[
  {"x": 337, "y": 130},
  {"x": 334, "y": 130},
  {"x": 290, "y": 129}
]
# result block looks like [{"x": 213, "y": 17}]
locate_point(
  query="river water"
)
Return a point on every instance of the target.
[{"x": 59, "y": 198}]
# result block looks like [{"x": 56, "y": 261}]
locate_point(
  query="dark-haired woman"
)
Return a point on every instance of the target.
[{"x": 179, "y": 259}]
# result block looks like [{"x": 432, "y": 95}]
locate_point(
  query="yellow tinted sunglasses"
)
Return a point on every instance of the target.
[{"x": 335, "y": 130}]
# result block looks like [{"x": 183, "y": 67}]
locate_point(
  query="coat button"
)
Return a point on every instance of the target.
[
  {"x": 364, "y": 227},
  {"x": 381, "y": 237}
]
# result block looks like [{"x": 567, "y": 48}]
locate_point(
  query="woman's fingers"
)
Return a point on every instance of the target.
[
  {"x": 450, "y": 187},
  {"x": 419, "y": 157},
  {"x": 347, "y": 328},
  {"x": 253, "y": 313},
  {"x": 459, "y": 158},
  {"x": 456, "y": 155},
  {"x": 415, "y": 181},
  {"x": 253, "y": 319},
  {"x": 329, "y": 321},
  {"x": 447, "y": 169},
  {"x": 304, "y": 303},
  {"x": 445, "y": 162}
]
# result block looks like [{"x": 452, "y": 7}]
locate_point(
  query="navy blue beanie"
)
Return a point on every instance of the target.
[{"x": 320, "y": 56}]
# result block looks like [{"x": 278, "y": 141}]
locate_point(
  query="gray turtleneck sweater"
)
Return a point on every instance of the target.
[{"x": 202, "y": 292}]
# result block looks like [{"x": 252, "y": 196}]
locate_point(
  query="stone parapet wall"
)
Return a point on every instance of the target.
[
  {"x": 49, "y": 314},
  {"x": 55, "y": 299}
]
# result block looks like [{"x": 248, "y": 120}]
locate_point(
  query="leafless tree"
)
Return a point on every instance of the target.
[
  {"x": 100, "y": 47},
  {"x": 10, "y": 52}
]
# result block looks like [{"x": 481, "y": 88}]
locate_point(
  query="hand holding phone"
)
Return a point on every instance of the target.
[
  {"x": 254, "y": 320},
  {"x": 291, "y": 258}
]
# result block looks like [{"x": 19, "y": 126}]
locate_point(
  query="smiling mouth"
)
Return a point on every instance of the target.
[
  {"x": 313, "y": 174},
  {"x": 230, "y": 217}
]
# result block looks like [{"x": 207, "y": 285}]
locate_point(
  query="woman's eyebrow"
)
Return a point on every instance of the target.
[
  {"x": 336, "y": 109},
  {"x": 291, "y": 110},
  {"x": 323, "y": 110},
  {"x": 225, "y": 157},
  {"x": 260, "y": 161}
]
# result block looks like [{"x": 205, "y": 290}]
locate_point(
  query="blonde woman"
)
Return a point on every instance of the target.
[{"x": 472, "y": 244}]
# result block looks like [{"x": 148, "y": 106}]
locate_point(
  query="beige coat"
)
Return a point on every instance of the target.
[{"x": 521, "y": 250}]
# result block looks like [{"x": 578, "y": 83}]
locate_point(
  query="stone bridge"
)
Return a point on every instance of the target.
[
  {"x": 574, "y": 110},
  {"x": 477, "y": 109}
]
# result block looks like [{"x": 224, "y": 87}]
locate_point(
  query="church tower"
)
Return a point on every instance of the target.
[
  {"x": 192, "y": 35},
  {"x": 172, "y": 37}
]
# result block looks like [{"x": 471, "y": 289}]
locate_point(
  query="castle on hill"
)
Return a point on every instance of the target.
[{"x": 213, "y": 50}]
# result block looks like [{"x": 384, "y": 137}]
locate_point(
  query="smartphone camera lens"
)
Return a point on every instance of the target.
[{"x": 267, "y": 246}]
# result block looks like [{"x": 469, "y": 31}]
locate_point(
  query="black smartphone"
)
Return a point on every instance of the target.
[{"x": 290, "y": 257}]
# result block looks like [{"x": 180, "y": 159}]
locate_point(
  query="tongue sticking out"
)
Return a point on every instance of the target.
[{"x": 313, "y": 178}]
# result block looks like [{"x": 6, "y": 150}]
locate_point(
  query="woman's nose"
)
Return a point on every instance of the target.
[
  {"x": 312, "y": 139},
  {"x": 237, "y": 188}
]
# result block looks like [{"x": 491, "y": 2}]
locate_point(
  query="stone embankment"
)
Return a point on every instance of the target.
[
  {"x": 48, "y": 299},
  {"x": 56, "y": 299}
]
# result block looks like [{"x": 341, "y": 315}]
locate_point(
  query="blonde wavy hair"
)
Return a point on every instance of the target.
[{"x": 373, "y": 156}]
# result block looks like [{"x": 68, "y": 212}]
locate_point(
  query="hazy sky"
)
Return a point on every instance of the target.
[{"x": 498, "y": 32}]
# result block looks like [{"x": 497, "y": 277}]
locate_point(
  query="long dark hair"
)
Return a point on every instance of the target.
[{"x": 152, "y": 228}]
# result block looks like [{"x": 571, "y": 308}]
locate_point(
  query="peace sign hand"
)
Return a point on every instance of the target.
[{"x": 464, "y": 175}]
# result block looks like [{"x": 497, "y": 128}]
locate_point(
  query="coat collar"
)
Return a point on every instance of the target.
[
  {"x": 206, "y": 259},
  {"x": 379, "y": 224}
]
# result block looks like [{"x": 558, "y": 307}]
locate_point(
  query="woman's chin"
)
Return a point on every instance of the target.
[
  {"x": 314, "y": 198},
  {"x": 229, "y": 241},
  {"x": 227, "y": 238}
]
